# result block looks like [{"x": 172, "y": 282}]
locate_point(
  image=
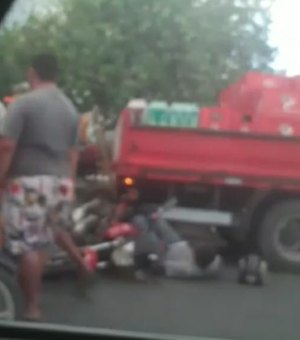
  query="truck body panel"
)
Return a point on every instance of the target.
[{"x": 203, "y": 155}]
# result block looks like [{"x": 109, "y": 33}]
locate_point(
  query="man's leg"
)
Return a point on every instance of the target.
[
  {"x": 30, "y": 270},
  {"x": 30, "y": 262}
]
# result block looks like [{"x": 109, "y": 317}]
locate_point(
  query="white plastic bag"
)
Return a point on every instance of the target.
[{"x": 179, "y": 260}]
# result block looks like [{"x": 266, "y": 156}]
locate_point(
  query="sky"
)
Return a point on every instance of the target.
[
  {"x": 285, "y": 35},
  {"x": 284, "y": 31}
]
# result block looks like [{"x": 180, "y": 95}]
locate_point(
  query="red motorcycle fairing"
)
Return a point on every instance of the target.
[{"x": 120, "y": 230}]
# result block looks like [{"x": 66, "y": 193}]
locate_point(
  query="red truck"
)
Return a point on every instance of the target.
[{"x": 235, "y": 166}]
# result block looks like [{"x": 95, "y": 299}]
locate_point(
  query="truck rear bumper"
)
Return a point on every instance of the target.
[{"x": 199, "y": 216}]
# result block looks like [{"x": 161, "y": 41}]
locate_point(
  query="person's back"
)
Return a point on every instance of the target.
[{"x": 47, "y": 135}]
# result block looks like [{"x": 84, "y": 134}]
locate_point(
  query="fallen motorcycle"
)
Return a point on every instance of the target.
[
  {"x": 138, "y": 238},
  {"x": 118, "y": 244}
]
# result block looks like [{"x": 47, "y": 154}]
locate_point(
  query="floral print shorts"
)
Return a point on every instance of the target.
[{"x": 33, "y": 208}]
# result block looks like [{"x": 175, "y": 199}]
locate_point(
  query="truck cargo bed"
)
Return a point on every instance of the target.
[{"x": 230, "y": 158}]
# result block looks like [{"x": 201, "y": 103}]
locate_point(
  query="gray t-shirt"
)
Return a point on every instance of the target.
[{"x": 44, "y": 124}]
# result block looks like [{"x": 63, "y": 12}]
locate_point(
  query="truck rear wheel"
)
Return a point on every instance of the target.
[{"x": 279, "y": 236}]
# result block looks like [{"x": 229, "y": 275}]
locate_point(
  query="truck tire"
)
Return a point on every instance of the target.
[
  {"x": 10, "y": 296},
  {"x": 279, "y": 236}
]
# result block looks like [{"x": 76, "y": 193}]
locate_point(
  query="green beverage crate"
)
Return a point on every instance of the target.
[
  {"x": 157, "y": 114},
  {"x": 184, "y": 115},
  {"x": 177, "y": 115}
]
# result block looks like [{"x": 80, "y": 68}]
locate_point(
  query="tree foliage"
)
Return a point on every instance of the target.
[{"x": 113, "y": 50}]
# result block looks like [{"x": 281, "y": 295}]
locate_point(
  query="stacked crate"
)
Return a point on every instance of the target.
[{"x": 262, "y": 103}]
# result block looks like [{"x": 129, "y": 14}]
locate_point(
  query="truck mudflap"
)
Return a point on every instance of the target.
[{"x": 200, "y": 216}]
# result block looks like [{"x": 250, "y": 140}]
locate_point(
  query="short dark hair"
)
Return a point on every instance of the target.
[{"x": 46, "y": 66}]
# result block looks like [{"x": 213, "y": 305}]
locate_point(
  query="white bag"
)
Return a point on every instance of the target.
[{"x": 179, "y": 260}]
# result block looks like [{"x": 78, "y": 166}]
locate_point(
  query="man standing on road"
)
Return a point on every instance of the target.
[{"x": 38, "y": 161}]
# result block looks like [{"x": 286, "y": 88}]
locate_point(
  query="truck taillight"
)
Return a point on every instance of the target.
[{"x": 128, "y": 181}]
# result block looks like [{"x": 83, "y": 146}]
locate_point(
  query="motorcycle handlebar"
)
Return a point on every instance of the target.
[{"x": 172, "y": 202}]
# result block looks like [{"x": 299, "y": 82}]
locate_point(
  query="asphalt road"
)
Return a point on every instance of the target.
[{"x": 219, "y": 309}]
